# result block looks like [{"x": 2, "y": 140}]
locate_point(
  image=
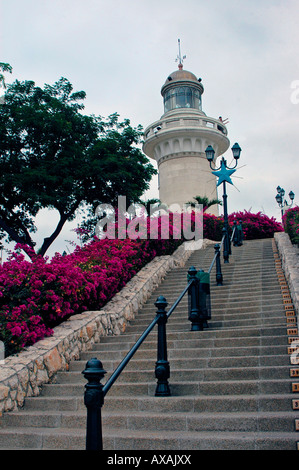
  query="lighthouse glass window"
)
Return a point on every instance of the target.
[{"x": 182, "y": 97}]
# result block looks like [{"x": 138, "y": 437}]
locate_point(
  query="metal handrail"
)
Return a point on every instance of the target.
[
  {"x": 139, "y": 342},
  {"x": 94, "y": 371},
  {"x": 216, "y": 254},
  {"x": 233, "y": 233}
]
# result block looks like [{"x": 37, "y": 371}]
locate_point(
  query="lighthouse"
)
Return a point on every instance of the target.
[{"x": 177, "y": 141}]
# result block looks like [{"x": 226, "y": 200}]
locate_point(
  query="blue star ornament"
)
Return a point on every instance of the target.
[{"x": 223, "y": 174}]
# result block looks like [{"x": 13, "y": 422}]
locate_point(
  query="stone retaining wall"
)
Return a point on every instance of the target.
[
  {"x": 23, "y": 375},
  {"x": 289, "y": 255}
]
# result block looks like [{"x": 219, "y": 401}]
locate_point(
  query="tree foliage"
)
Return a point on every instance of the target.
[
  {"x": 4, "y": 67},
  {"x": 54, "y": 156},
  {"x": 204, "y": 201}
]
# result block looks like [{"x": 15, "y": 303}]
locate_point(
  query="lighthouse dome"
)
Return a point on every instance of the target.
[{"x": 179, "y": 75}]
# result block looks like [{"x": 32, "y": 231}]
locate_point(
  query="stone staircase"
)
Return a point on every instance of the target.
[{"x": 233, "y": 385}]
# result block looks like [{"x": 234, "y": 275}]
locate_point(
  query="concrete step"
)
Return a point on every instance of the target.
[
  {"x": 240, "y": 302},
  {"x": 204, "y": 374},
  {"x": 230, "y": 311},
  {"x": 187, "y": 421},
  {"x": 116, "y": 439},
  {"x": 174, "y": 404},
  {"x": 195, "y": 352},
  {"x": 222, "y": 322},
  {"x": 122, "y": 348},
  {"x": 184, "y": 386},
  {"x": 233, "y": 333}
]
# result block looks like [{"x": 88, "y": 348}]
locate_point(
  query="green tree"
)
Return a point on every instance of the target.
[
  {"x": 53, "y": 156},
  {"x": 4, "y": 67},
  {"x": 205, "y": 201}
]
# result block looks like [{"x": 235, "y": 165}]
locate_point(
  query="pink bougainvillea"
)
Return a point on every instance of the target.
[
  {"x": 39, "y": 294},
  {"x": 36, "y": 295},
  {"x": 256, "y": 225}
]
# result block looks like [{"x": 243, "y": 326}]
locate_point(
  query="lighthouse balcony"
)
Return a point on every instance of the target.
[
  {"x": 181, "y": 132},
  {"x": 186, "y": 122}
]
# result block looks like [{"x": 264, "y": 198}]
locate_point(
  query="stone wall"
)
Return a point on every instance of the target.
[
  {"x": 289, "y": 255},
  {"x": 23, "y": 374}
]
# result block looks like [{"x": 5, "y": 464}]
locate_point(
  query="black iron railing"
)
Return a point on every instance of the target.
[
  {"x": 95, "y": 391},
  {"x": 199, "y": 313}
]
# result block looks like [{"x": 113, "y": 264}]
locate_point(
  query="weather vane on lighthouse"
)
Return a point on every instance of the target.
[{"x": 179, "y": 56}]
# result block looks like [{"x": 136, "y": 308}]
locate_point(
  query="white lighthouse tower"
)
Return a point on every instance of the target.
[{"x": 177, "y": 141}]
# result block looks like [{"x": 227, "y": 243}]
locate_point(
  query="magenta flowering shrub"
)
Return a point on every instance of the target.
[
  {"x": 39, "y": 294},
  {"x": 290, "y": 222},
  {"x": 212, "y": 227},
  {"x": 256, "y": 225},
  {"x": 36, "y": 296},
  {"x": 20, "y": 321}
]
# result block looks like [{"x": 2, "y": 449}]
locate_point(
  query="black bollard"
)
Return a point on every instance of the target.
[
  {"x": 225, "y": 245},
  {"x": 241, "y": 234},
  {"x": 94, "y": 400},
  {"x": 193, "y": 313},
  {"x": 162, "y": 369},
  {"x": 219, "y": 277},
  {"x": 236, "y": 234}
]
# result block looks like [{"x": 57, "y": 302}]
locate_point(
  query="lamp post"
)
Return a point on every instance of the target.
[
  {"x": 281, "y": 201},
  {"x": 224, "y": 173}
]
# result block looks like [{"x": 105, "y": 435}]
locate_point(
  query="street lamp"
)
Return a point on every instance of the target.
[
  {"x": 224, "y": 173},
  {"x": 281, "y": 201}
]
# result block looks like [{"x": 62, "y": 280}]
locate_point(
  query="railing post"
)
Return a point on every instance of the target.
[
  {"x": 162, "y": 369},
  {"x": 94, "y": 400},
  {"x": 193, "y": 314},
  {"x": 225, "y": 245},
  {"x": 219, "y": 277},
  {"x": 241, "y": 234},
  {"x": 236, "y": 234}
]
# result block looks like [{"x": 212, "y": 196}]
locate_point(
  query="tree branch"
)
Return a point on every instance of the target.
[
  {"x": 26, "y": 239},
  {"x": 49, "y": 240}
]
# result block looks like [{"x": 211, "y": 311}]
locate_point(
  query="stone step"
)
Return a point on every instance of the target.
[
  {"x": 43, "y": 438},
  {"x": 256, "y": 272},
  {"x": 198, "y": 363},
  {"x": 196, "y": 352},
  {"x": 237, "y": 373},
  {"x": 229, "y": 311},
  {"x": 189, "y": 421},
  {"x": 191, "y": 363},
  {"x": 221, "y": 323},
  {"x": 174, "y": 404},
  {"x": 115, "y": 439},
  {"x": 195, "y": 343},
  {"x": 222, "y": 291},
  {"x": 180, "y": 388},
  {"x": 176, "y": 440},
  {"x": 233, "y": 333},
  {"x": 269, "y": 302},
  {"x": 236, "y": 281},
  {"x": 211, "y": 404},
  {"x": 261, "y": 421}
]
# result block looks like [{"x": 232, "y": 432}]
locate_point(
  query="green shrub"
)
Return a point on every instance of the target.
[{"x": 290, "y": 221}]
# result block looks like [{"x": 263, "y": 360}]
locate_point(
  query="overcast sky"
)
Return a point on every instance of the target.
[{"x": 120, "y": 53}]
